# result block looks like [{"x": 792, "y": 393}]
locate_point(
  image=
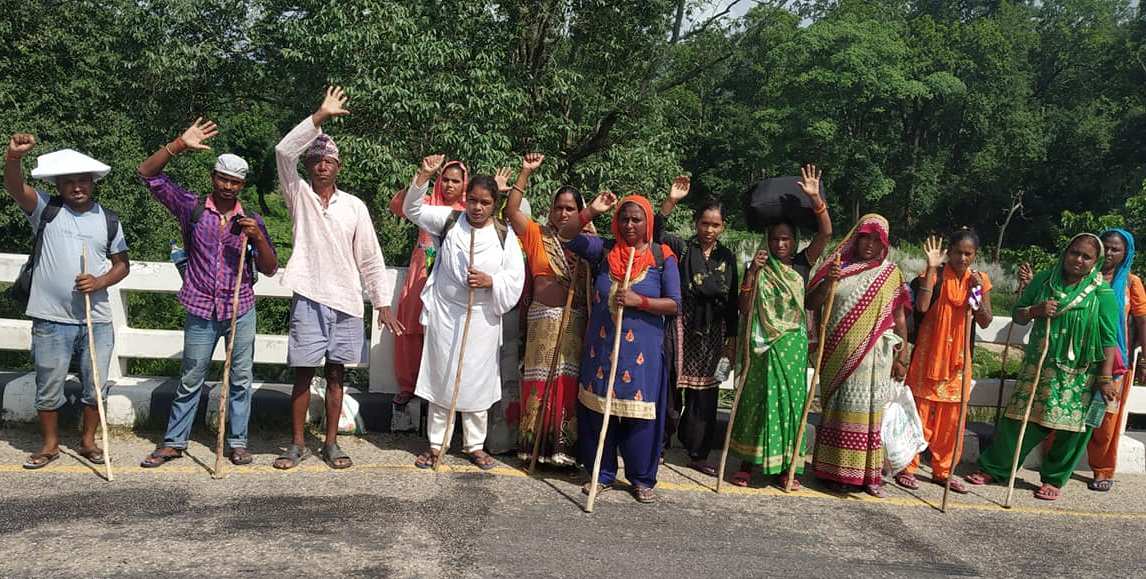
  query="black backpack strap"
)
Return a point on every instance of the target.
[
  {"x": 451, "y": 221},
  {"x": 658, "y": 255},
  {"x": 51, "y": 210},
  {"x": 112, "y": 221}
]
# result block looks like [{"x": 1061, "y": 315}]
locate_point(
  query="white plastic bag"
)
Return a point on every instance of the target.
[{"x": 902, "y": 430}]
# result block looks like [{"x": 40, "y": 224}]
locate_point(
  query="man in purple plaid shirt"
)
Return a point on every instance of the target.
[{"x": 213, "y": 230}]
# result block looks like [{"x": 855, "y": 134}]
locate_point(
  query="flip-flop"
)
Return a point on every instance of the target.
[
  {"x": 1102, "y": 486},
  {"x": 907, "y": 481},
  {"x": 40, "y": 460},
  {"x": 644, "y": 495},
  {"x": 601, "y": 487},
  {"x": 782, "y": 482},
  {"x": 156, "y": 460},
  {"x": 93, "y": 454},
  {"x": 481, "y": 459},
  {"x": 874, "y": 491},
  {"x": 1048, "y": 492},
  {"x": 741, "y": 478},
  {"x": 703, "y": 468},
  {"x": 291, "y": 458},
  {"x": 426, "y": 460},
  {"x": 979, "y": 478},
  {"x": 332, "y": 454},
  {"x": 956, "y": 485},
  {"x": 241, "y": 456}
]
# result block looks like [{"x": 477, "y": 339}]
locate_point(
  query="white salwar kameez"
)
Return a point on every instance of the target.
[{"x": 445, "y": 297}]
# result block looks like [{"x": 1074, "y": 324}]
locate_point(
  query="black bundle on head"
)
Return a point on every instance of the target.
[
  {"x": 963, "y": 234},
  {"x": 709, "y": 204}
]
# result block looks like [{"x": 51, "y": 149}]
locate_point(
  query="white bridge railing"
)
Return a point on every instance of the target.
[{"x": 141, "y": 343}]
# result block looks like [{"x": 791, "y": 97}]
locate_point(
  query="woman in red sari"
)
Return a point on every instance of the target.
[{"x": 449, "y": 190}]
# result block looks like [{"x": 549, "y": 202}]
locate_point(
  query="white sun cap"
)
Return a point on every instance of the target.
[{"x": 68, "y": 162}]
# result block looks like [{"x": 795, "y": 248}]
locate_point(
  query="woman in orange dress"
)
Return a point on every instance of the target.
[{"x": 943, "y": 295}]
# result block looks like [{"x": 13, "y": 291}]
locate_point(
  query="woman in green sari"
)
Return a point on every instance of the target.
[
  {"x": 1081, "y": 353},
  {"x": 776, "y": 387}
]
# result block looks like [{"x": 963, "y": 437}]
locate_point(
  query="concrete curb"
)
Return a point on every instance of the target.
[{"x": 140, "y": 402}]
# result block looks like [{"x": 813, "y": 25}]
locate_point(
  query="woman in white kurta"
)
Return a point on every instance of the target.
[{"x": 496, "y": 277}]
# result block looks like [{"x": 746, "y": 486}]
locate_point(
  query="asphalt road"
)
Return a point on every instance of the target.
[{"x": 385, "y": 518}]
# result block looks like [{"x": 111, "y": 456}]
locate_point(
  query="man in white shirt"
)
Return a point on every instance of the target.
[{"x": 335, "y": 251}]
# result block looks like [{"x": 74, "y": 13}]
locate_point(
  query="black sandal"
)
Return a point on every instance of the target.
[
  {"x": 291, "y": 458},
  {"x": 1102, "y": 486},
  {"x": 481, "y": 459},
  {"x": 644, "y": 495},
  {"x": 156, "y": 460},
  {"x": 40, "y": 460},
  {"x": 93, "y": 454},
  {"x": 332, "y": 455}
]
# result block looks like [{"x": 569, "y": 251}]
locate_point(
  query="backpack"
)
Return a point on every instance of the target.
[
  {"x": 451, "y": 221},
  {"x": 21, "y": 289},
  {"x": 197, "y": 214}
]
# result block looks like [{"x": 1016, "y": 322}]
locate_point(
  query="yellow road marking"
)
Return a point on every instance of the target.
[{"x": 690, "y": 487}]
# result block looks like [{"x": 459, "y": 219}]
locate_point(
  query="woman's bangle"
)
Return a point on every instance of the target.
[
  {"x": 167, "y": 147},
  {"x": 821, "y": 209},
  {"x": 584, "y": 218},
  {"x": 644, "y": 303}
]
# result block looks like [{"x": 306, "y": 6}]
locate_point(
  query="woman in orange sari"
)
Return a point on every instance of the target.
[
  {"x": 943, "y": 295},
  {"x": 449, "y": 191},
  {"x": 555, "y": 272}
]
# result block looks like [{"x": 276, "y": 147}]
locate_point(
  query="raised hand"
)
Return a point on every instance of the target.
[
  {"x": 432, "y": 163},
  {"x": 20, "y": 144},
  {"x": 603, "y": 203},
  {"x": 531, "y": 162},
  {"x": 1026, "y": 274},
  {"x": 680, "y": 188},
  {"x": 759, "y": 260},
  {"x": 933, "y": 249},
  {"x": 502, "y": 177},
  {"x": 810, "y": 181},
  {"x": 334, "y": 103},
  {"x": 199, "y": 131}
]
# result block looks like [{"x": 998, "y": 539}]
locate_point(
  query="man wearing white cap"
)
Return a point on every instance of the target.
[
  {"x": 67, "y": 226},
  {"x": 336, "y": 253},
  {"x": 213, "y": 230}
]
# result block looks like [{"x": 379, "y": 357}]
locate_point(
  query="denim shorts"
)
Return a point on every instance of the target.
[
  {"x": 53, "y": 345},
  {"x": 317, "y": 332}
]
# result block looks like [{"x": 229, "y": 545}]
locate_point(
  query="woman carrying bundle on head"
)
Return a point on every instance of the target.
[
  {"x": 1102, "y": 451},
  {"x": 555, "y": 272},
  {"x": 777, "y": 383},
  {"x": 864, "y": 352},
  {"x": 944, "y": 293},
  {"x": 1075, "y": 335},
  {"x": 640, "y": 389}
]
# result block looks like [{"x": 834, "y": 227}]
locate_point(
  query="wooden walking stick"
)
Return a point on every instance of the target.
[
  {"x": 741, "y": 380},
  {"x": 964, "y": 399},
  {"x": 1003, "y": 366},
  {"x": 97, "y": 383},
  {"x": 797, "y": 456},
  {"x": 617, "y": 319},
  {"x": 543, "y": 409},
  {"x": 225, "y": 391},
  {"x": 457, "y": 376},
  {"x": 1027, "y": 415}
]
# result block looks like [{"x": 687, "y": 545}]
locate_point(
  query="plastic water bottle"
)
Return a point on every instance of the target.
[
  {"x": 1096, "y": 411},
  {"x": 723, "y": 368},
  {"x": 179, "y": 258}
]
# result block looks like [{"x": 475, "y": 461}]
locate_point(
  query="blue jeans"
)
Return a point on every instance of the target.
[
  {"x": 53, "y": 345},
  {"x": 200, "y": 337}
]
